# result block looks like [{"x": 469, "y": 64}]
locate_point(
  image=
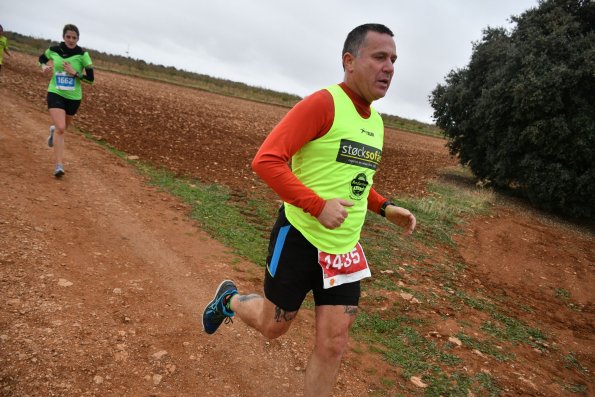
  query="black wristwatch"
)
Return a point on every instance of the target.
[{"x": 383, "y": 207}]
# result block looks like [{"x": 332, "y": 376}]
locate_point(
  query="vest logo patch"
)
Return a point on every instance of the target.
[
  {"x": 358, "y": 186},
  {"x": 369, "y": 133},
  {"x": 359, "y": 154}
]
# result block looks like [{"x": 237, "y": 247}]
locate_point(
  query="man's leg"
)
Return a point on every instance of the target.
[
  {"x": 254, "y": 310},
  {"x": 262, "y": 314},
  {"x": 284, "y": 283},
  {"x": 332, "y": 335}
]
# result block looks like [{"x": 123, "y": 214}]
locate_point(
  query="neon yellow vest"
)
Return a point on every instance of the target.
[{"x": 341, "y": 164}]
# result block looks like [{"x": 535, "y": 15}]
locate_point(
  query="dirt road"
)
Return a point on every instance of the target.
[
  {"x": 102, "y": 275},
  {"x": 102, "y": 278}
]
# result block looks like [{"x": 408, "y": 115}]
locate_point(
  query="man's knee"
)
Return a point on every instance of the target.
[
  {"x": 334, "y": 346},
  {"x": 275, "y": 330}
]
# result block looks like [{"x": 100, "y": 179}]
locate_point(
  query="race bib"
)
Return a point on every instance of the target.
[
  {"x": 64, "y": 81},
  {"x": 338, "y": 269}
]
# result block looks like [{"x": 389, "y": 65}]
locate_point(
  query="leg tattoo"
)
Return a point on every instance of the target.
[
  {"x": 282, "y": 315},
  {"x": 246, "y": 298},
  {"x": 351, "y": 310}
]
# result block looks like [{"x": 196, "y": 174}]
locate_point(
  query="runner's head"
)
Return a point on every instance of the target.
[
  {"x": 70, "y": 34},
  {"x": 369, "y": 53}
]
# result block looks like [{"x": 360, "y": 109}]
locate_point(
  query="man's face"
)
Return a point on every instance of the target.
[{"x": 371, "y": 71}]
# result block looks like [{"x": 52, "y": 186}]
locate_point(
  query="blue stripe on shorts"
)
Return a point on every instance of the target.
[{"x": 278, "y": 248}]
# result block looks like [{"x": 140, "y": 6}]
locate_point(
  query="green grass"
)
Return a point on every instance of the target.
[
  {"x": 565, "y": 297},
  {"x": 398, "y": 341},
  {"x": 515, "y": 331},
  {"x": 243, "y": 223},
  {"x": 211, "y": 207},
  {"x": 487, "y": 347},
  {"x": 576, "y": 388},
  {"x": 459, "y": 385},
  {"x": 396, "y": 338},
  {"x": 488, "y": 386},
  {"x": 570, "y": 361},
  {"x": 236, "y": 224},
  {"x": 502, "y": 327},
  {"x": 562, "y": 294},
  {"x": 446, "y": 207},
  {"x": 438, "y": 217},
  {"x": 410, "y": 125}
]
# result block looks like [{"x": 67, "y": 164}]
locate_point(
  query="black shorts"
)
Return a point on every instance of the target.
[
  {"x": 70, "y": 106},
  {"x": 293, "y": 270}
]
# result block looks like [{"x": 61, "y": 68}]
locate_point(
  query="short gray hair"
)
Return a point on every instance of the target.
[{"x": 356, "y": 37}]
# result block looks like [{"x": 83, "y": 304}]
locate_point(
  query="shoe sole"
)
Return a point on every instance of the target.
[
  {"x": 59, "y": 174},
  {"x": 51, "y": 138},
  {"x": 210, "y": 302}
]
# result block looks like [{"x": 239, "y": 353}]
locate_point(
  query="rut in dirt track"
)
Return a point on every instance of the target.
[{"x": 102, "y": 275}]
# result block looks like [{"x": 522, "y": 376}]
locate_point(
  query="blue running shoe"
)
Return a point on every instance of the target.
[
  {"x": 51, "y": 137},
  {"x": 58, "y": 171},
  {"x": 216, "y": 310}
]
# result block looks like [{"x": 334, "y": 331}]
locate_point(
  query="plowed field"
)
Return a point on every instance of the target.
[{"x": 102, "y": 277}]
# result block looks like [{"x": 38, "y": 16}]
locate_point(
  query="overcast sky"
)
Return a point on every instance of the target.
[{"x": 290, "y": 46}]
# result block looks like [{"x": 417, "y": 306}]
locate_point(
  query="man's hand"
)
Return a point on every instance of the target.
[
  {"x": 401, "y": 217},
  {"x": 334, "y": 213}
]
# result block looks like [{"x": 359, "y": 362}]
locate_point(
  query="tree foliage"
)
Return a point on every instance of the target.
[{"x": 522, "y": 113}]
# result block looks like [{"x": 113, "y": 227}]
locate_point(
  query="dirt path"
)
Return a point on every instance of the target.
[
  {"x": 100, "y": 275},
  {"x": 102, "y": 278}
]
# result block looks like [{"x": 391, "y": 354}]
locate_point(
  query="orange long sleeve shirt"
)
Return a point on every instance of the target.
[{"x": 310, "y": 119}]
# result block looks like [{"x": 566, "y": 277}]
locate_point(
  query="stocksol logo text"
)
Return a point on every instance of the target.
[{"x": 356, "y": 153}]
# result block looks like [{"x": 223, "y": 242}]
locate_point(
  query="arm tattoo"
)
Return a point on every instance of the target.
[
  {"x": 282, "y": 315},
  {"x": 246, "y": 298},
  {"x": 351, "y": 310}
]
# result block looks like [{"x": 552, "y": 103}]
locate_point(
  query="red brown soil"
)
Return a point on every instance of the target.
[{"x": 102, "y": 277}]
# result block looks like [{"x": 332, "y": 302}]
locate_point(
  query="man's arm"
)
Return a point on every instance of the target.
[
  {"x": 395, "y": 214},
  {"x": 401, "y": 217},
  {"x": 310, "y": 119},
  {"x": 375, "y": 201}
]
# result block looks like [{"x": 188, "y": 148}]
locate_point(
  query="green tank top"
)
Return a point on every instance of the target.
[
  {"x": 67, "y": 86},
  {"x": 341, "y": 164}
]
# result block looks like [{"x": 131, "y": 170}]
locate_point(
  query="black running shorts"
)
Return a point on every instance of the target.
[
  {"x": 293, "y": 270},
  {"x": 70, "y": 106}
]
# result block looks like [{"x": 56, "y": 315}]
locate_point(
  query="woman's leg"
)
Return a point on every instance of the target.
[{"x": 61, "y": 121}]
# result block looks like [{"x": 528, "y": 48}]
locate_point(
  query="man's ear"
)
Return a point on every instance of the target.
[{"x": 348, "y": 59}]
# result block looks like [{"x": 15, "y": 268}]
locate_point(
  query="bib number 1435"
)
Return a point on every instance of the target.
[
  {"x": 342, "y": 260},
  {"x": 343, "y": 268}
]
